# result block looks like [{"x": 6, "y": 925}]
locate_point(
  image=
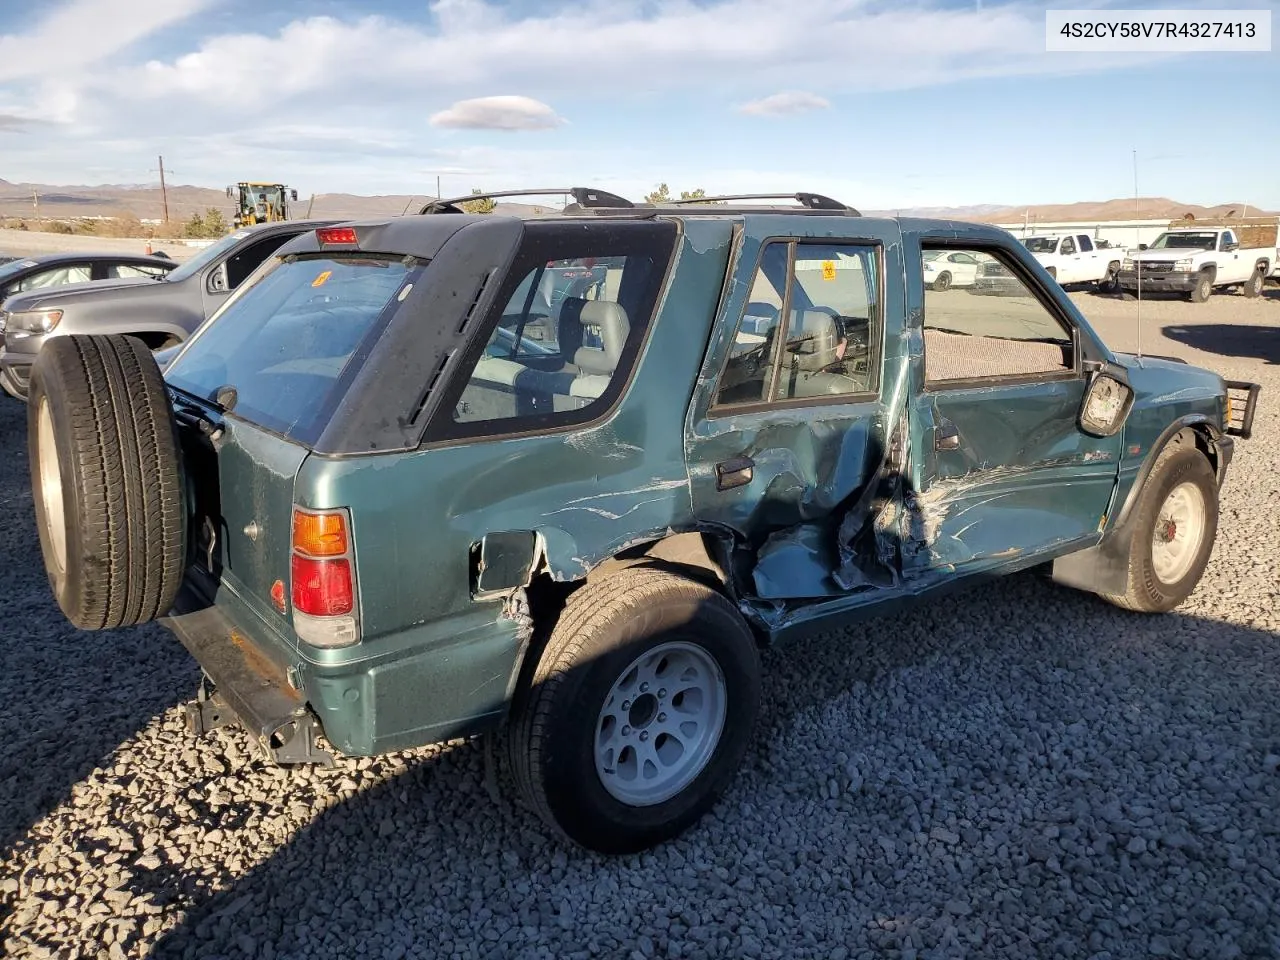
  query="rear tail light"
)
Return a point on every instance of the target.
[{"x": 322, "y": 574}]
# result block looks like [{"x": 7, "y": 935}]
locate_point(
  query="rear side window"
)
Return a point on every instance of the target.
[
  {"x": 826, "y": 349},
  {"x": 559, "y": 346},
  {"x": 286, "y": 341}
]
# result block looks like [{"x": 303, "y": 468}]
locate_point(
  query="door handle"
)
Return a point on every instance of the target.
[
  {"x": 735, "y": 472},
  {"x": 946, "y": 437}
]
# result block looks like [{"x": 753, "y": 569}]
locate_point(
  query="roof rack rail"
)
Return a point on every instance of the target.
[
  {"x": 584, "y": 197},
  {"x": 814, "y": 201}
]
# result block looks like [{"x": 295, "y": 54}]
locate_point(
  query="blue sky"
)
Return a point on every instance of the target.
[{"x": 883, "y": 104}]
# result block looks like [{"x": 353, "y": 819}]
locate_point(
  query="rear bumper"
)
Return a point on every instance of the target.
[
  {"x": 1159, "y": 282},
  {"x": 440, "y": 681},
  {"x": 245, "y": 681}
]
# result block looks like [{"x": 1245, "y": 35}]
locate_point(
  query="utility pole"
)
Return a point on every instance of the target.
[
  {"x": 164, "y": 193},
  {"x": 438, "y": 186},
  {"x": 35, "y": 202}
]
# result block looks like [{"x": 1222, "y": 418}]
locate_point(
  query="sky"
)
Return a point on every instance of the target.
[{"x": 879, "y": 103}]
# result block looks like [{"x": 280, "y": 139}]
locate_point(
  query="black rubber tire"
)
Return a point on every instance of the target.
[
  {"x": 117, "y": 454},
  {"x": 603, "y": 628},
  {"x": 1146, "y": 592},
  {"x": 1111, "y": 282},
  {"x": 1203, "y": 290},
  {"x": 1253, "y": 286},
  {"x": 943, "y": 282}
]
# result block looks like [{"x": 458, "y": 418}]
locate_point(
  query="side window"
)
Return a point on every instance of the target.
[
  {"x": 133, "y": 271},
  {"x": 832, "y": 324},
  {"x": 1226, "y": 239},
  {"x": 1086, "y": 245},
  {"x": 1068, "y": 247},
  {"x": 562, "y": 345},
  {"x": 55, "y": 277},
  {"x": 240, "y": 265},
  {"x": 1002, "y": 330},
  {"x": 962, "y": 257}
]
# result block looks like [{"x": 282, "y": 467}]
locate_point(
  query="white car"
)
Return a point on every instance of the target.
[{"x": 943, "y": 270}]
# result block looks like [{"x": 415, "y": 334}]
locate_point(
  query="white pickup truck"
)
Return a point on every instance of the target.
[
  {"x": 1076, "y": 258},
  {"x": 1197, "y": 260}
]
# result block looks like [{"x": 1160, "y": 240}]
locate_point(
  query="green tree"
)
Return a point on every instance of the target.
[
  {"x": 483, "y": 205},
  {"x": 661, "y": 195},
  {"x": 210, "y": 226}
]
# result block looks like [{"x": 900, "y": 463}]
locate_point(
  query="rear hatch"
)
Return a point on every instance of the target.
[{"x": 252, "y": 392}]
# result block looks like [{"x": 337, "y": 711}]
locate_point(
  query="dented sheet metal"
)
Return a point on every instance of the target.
[{"x": 820, "y": 472}]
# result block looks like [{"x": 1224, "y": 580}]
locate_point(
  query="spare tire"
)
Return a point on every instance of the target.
[{"x": 106, "y": 480}]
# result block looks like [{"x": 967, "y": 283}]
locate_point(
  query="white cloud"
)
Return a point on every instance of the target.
[
  {"x": 83, "y": 32},
  {"x": 498, "y": 113},
  {"x": 785, "y": 103}
]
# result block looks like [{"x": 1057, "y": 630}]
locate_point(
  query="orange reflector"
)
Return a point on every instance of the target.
[{"x": 319, "y": 534}]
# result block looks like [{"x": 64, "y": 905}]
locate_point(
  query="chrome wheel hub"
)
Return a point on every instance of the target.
[
  {"x": 660, "y": 723},
  {"x": 1179, "y": 533}
]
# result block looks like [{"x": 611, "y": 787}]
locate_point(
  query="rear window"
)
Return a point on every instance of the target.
[{"x": 285, "y": 343}]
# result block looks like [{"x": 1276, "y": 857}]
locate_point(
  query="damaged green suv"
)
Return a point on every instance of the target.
[{"x": 411, "y": 484}]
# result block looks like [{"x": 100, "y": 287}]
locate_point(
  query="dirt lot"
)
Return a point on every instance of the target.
[
  {"x": 26, "y": 243},
  {"x": 1017, "y": 771}
]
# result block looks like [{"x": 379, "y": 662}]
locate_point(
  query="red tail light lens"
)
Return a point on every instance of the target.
[
  {"x": 331, "y": 235},
  {"x": 322, "y": 588}
]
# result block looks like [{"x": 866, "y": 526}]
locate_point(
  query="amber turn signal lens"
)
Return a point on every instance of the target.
[{"x": 319, "y": 534}]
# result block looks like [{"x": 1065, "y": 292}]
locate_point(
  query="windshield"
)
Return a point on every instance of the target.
[
  {"x": 206, "y": 256},
  {"x": 1186, "y": 241},
  {"x": 1041, "y": 244},
  {"x": 285, "y": 342}
]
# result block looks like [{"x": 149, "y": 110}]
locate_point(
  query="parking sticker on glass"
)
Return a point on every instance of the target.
[
  {"x": 320, "y": 280},
  {"x": 828, "y": 269}
]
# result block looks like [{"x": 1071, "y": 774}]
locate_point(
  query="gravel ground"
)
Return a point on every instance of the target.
[{"x": 1017, "y": 771}]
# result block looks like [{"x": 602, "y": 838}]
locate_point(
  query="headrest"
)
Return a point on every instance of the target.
[
  {"x": 812, "y": 339},
  {"x": 614, "y": 328}
]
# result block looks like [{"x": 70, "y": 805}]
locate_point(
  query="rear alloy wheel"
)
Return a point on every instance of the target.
[
  {"x": 1253, "y": 286},
  {"x": 1203, "y": 289},
  {"x": 639, "y": 712},
  {"x": 943, "y": 282},
  {"x": 1174, "y": 525},
  {"x": 104, "y": 466}
]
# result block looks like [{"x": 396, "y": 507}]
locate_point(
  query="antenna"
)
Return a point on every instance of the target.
[{"x": 1137, "y": 261}]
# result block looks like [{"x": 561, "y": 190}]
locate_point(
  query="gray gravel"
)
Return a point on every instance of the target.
[{"x": 1017, "y": 771}]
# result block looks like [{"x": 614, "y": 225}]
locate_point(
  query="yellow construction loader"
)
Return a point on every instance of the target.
[{"x": 260, "y": 203}]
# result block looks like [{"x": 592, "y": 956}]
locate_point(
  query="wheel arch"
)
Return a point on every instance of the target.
[{"x": 1104, "y": 568}]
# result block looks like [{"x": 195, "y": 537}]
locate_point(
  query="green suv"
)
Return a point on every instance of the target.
[{"x": 392, "y": 495}]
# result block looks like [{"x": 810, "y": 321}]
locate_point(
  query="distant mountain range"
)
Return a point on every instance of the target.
[{"x": 145, "y": 202}]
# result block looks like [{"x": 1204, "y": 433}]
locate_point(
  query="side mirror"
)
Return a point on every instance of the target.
[
  {"x": 229, "y": 192},
  {"x": 1142, "y": 246},
  {"x": 293, "y": 194},
  {"x": 1106, "y": 404},
  {"x": 1231, "y": 246},
  {"x": 217, "y": 281}
]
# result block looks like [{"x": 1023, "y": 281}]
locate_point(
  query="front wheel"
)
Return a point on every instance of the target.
[
  {"x": 639, "y": 712},
  {"x": 1111, "y": 282},
  {"x": 1203, "y": 289},
  {"x": 1174, "y": 526}
]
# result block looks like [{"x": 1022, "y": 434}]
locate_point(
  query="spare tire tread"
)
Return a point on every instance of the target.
[{"x": 123, "y": 501}]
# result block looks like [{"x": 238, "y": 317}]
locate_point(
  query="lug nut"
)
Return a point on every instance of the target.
[
  {"x": 662, "y": 718},
  {"x": 626, "y": 704},
  {"x": 626, "y": 731},
  {"x": 662, "y": 694},
  {"x": 644, "y": 688},
  {"x": 644, "y": 735}
]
